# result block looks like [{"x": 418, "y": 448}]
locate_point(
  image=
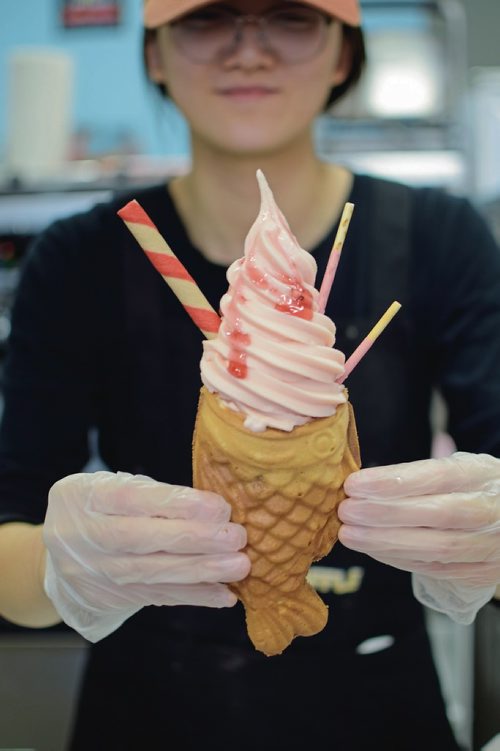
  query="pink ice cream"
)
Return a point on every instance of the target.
[{"x": 273, "y": 357}]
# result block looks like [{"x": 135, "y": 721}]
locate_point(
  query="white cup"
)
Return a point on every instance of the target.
[{"x": 40, "y": 88}]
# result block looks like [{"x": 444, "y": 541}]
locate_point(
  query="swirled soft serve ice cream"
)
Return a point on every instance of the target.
[
  {"x": 273, "y": 359},
  {"x": 274, "y": 433}
]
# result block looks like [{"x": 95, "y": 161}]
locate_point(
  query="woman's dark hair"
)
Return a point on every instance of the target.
[
  {"x": 147, "y": 38},
  {"x": 352, "y": 35}
]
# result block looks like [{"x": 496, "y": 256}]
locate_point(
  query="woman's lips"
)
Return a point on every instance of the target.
[{"x": 247, "y": 92}]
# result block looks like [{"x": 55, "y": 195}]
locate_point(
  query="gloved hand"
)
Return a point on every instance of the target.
[
  {"x": 439, "y": 519},
  {"x": 117, "y": 542}
]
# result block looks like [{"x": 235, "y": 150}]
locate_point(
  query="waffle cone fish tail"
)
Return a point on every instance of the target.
[
  {"x": 272, "y": 628},
  {"x": 284, "y": 487}
]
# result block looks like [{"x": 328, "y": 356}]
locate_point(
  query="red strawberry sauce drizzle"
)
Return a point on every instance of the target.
[
  {"x": 296, "y": 301},
  {"x": 238, "y": 343}
]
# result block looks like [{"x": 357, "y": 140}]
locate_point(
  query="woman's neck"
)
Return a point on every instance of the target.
[{"x": 219, "y": 199}]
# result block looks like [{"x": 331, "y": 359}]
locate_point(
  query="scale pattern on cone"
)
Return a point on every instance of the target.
[{"x": 284, "y": 488}]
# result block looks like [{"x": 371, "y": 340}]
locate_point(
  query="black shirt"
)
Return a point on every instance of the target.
[{"x": 99, "y": 340}]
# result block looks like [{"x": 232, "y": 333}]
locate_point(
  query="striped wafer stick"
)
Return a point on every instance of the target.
[
  {"x": 173, "y": 272},
  {"x": 333, "y": 261},
  {"x": 368, "y": 341}
]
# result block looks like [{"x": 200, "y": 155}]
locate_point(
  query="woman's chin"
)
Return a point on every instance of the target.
[{"x": 251, "y": 142}]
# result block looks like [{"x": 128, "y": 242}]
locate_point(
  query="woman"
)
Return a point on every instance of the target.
[{"x": 98, "y": 340}]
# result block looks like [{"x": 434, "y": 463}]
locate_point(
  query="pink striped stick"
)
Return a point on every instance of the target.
[
  {"x": 168, "y": 265},
  {"x": 333, "y": 261}
]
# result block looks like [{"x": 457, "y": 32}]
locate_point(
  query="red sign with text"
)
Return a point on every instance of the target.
[{"x": 91, "y": 13}]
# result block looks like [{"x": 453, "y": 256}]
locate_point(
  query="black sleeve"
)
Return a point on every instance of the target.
[
  {"x": 51, "y": 373},
  {"x": 460, "y": 291}
]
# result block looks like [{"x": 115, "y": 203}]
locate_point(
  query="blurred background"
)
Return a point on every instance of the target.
[{"x": 78, "y": 121}]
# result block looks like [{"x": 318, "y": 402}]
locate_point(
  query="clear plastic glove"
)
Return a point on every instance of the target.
[
  {"x": 439, "y": 519},
  {"x": 117, "y": 542}
]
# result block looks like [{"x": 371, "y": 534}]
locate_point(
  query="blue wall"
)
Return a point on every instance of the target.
[{"x": 111, "y": 96}]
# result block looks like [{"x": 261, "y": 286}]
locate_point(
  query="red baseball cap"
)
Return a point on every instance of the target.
[{"x": 158, "y": 12}]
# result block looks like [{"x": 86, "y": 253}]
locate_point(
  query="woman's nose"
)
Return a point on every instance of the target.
[{"x": 249, "y": 47}]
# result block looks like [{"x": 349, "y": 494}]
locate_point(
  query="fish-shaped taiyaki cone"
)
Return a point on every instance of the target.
[{"x": 284, "y": 487}]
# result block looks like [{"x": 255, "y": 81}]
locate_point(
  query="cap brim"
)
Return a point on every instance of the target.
[
  {"x": 158, "y": 12},
  {"x": 347, "y": 11}
]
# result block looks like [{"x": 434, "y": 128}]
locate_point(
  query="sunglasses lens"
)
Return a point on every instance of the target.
[
  {"x": 296, "y": 33},
  {"x": 293, "y": 33}
]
